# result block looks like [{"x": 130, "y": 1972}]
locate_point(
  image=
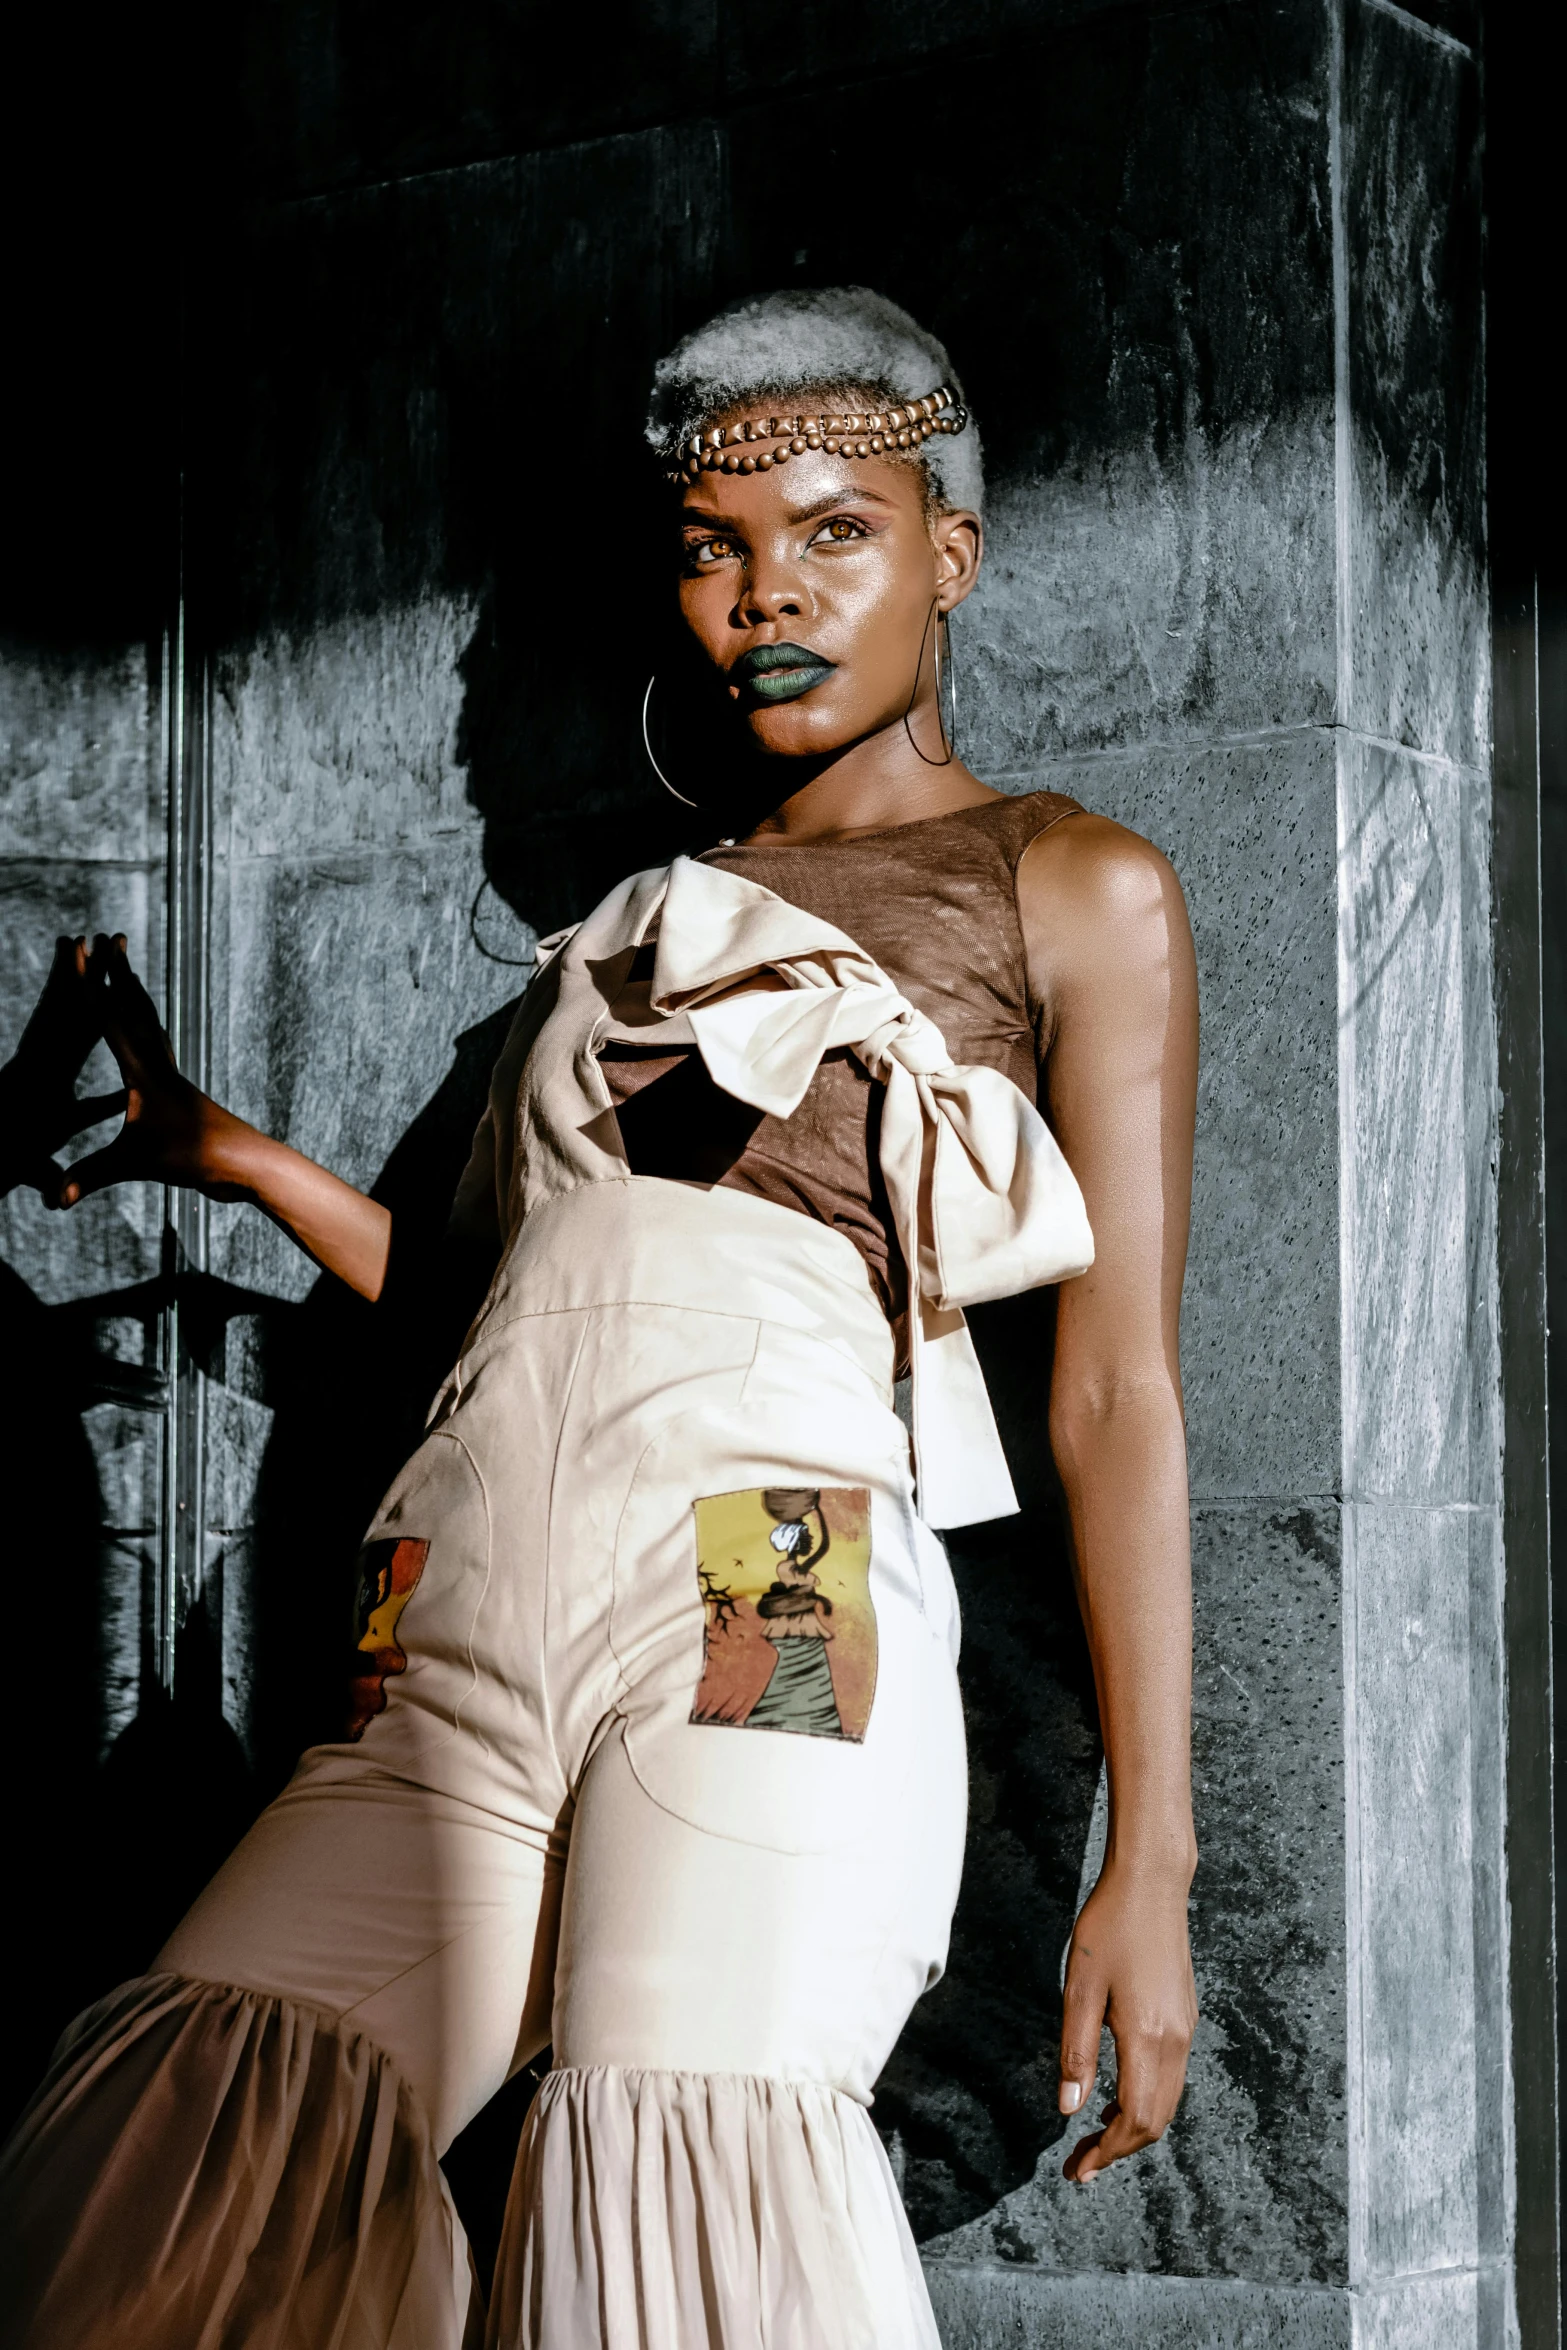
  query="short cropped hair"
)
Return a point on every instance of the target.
[{"x": 841, "y": 345}]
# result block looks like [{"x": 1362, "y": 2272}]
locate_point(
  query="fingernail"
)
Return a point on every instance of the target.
[{"x": 1071, "y": 2096}]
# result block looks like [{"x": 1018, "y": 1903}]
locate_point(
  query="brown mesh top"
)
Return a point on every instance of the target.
[{"x": 935, "y": 904}]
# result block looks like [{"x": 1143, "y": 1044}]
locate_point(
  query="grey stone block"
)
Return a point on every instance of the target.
[
  {"x": 332, "y": 94},
  {"x": 992, "y": 2309},
  {"x": 1159, "y": 450},
  {"x": 350, "y": 976},
  {"x": 1249, "y": 828},
  {"x": 1417, "y": 613},
  {"x": 1462, "y": 2310},
  {"x": 79, "y": 755},
  {"x": 1413, "y": 1992},
  {"x": 1402, "y": 1060},
  {"x": 345, "y": 735},
  {"x": 1251, "y": 2179}
]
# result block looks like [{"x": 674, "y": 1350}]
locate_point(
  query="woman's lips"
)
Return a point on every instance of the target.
[{"x": 781, "y": 673}]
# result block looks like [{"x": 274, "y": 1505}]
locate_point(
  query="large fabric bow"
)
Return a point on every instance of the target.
[{"x": 984, "y": 1203}]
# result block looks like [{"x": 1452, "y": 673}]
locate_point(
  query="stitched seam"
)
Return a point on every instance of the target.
[
  {"x": 454, "y": 1730},
  {"x": 334, "y": 2018},
  {"x": 478, "y": 1605},
  {"x": 436, "y": 1950},
  {"x": 545, "y": 1692},
  {"x": 606, "y": 1304}
]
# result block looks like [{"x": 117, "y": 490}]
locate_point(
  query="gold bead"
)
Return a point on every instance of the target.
[
  {"x": 861, "y": 449},
  {"x": 903, "y": 437},
  {"x": 748, "y": 465},
  {"x": 797, "y": 445},
  {"x": 731, "y": 462},
  {"x": 875, "y": 444},
  {"x": 764, "y": 462},
  {"x": 813, "y": 440},
  {"x": 782, "y": 456},
  {"x": 831, "y": 447}
]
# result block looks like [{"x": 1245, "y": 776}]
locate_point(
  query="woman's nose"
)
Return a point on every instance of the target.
[{"x": 770, "y": 594}]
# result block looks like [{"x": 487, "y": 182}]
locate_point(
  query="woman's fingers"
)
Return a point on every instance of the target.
[
  {"x": 1082, "y": 2021},
  {"x": 117, "y": 1162},
  {"x": 1150, "y": 2075}
]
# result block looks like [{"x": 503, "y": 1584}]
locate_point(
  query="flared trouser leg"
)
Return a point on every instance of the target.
[{"x": 242, "y": 2152}]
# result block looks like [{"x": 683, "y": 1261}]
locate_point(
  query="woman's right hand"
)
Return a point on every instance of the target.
[{"x": 172, "y": 1132}]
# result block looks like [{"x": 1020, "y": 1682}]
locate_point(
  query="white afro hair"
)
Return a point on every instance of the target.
[{"x": 778, "y": 345}]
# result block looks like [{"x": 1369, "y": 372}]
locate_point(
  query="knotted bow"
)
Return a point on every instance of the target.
[{"x": 983, "y": 1202}]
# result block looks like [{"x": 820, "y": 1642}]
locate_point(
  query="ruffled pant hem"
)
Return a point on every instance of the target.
[
  {"x": 704, "y": 2211},
  {"x": 209, "y": 2168}
]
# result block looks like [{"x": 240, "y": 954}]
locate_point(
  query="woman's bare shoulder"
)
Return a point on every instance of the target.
[{"x": 1097, "y": 901}]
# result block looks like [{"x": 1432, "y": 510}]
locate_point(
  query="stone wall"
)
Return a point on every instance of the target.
[{"x": 1211, "y": 274}]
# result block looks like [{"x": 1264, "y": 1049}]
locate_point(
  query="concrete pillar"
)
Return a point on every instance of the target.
[{"x": 1309, "y": 578}]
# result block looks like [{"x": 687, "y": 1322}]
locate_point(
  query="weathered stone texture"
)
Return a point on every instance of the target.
[
  {"x": 1417, "y": 618},
  {"x": 1249, "y": 828},
  {"x": 1137, "y": 289},
  {"x": 1401, "y": 1028},
  {"x": 991, "y": 2309},
  {"x": 1251, "y": 2180}
]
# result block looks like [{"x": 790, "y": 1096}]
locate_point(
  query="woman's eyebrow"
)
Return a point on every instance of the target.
[
  {"x": 694, "y": 519},
  {"x": 843, "y": 498}
]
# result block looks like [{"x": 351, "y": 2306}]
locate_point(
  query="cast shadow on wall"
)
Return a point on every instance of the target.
[{"x": 94, "y": 1867}]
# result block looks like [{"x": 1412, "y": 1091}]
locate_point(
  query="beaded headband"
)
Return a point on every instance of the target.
[{"x": 841, "y": 436}]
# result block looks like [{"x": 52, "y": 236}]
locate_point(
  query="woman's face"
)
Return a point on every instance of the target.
[{"x": 811, "y": 589}]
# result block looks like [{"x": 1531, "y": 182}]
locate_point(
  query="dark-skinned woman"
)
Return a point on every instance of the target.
[{"x": 767, "y": 1122}]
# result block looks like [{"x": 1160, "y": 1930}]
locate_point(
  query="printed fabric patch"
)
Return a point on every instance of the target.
[
  {"x": 790, "y": 1637},
  {"x": 388, "y": 1573}
]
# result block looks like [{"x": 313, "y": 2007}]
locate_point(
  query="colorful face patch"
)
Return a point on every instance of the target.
[
  {"x": 388, "y": 1572},
  {"x": 790, "y": 1637}
]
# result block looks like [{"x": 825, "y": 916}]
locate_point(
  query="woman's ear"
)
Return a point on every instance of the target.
[{"x": 960, "y": 549}]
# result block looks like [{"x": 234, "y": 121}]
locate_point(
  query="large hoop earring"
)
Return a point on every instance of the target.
[
  {"x": 647, "y": 699},
  {"x": 948, "y": 740}
]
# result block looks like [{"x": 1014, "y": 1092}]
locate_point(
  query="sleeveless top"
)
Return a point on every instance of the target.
[
  {"x": 730, "y": 1002},
  {"x": 934, "y": 903}
]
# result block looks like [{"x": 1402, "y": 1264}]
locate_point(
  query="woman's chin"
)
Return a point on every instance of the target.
[{"x": 793, "y": 730}]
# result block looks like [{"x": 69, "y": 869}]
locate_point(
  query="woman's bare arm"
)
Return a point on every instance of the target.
[
  {"x": 1110, "y": 956},
  {"x": 174, "y": 1134}
]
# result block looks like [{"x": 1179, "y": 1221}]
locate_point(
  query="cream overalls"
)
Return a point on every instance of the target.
[{"x": 665, "y": 1471}]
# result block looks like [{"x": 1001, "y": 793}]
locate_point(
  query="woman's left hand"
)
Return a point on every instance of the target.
[{"x": 1130, "y": 1966}]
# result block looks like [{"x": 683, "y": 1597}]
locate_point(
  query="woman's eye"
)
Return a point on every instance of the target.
[
  {"x": 841, "y": 529},
  {"x": 711, "y": 550}
]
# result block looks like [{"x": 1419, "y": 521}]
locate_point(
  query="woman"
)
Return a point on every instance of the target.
[{"x": 764, "y": 1125}]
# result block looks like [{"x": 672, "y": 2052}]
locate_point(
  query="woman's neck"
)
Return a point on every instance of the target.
[{"x": 870, "y": 787}]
